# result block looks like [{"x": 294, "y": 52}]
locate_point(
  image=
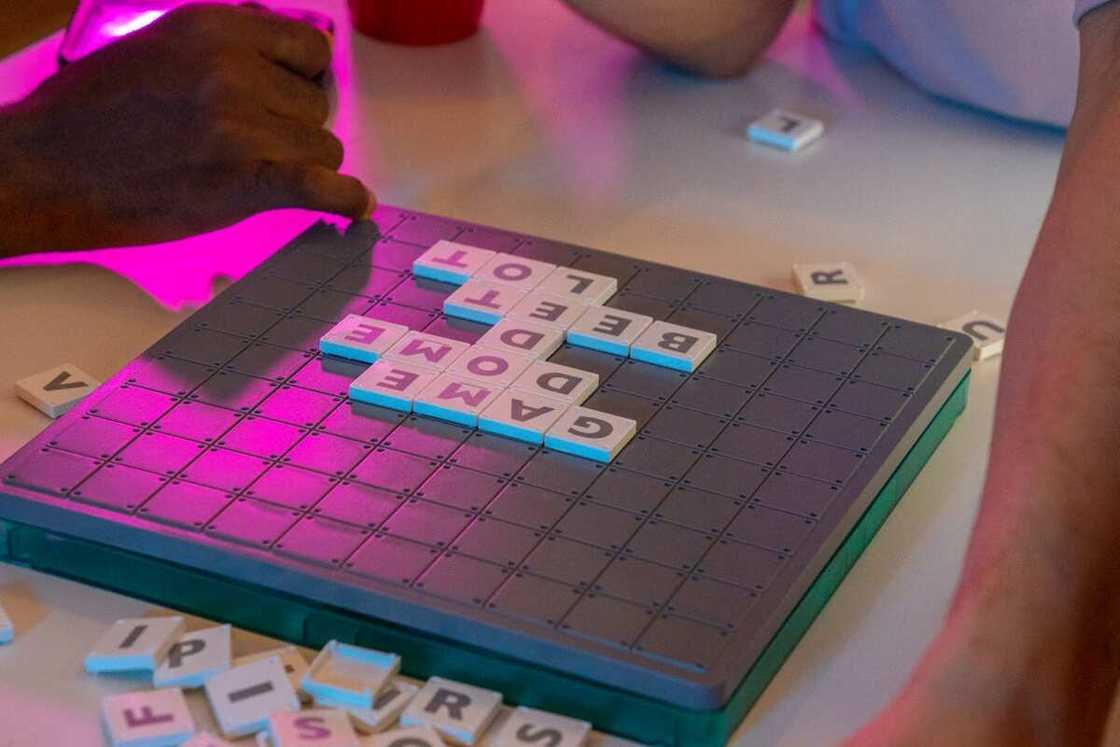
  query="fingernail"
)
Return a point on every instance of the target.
[{"x": 371, "y": 205}]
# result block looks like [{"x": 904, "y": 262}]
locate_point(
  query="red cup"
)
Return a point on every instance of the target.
[{"x": 417, "y": 22}]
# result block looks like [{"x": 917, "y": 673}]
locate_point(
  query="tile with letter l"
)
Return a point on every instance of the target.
[
  {"x": 456, "y": 711},
  {"x": 524, "y": 416},
  {"x": 607, "y": 330},
  {"x": 485, "y": 303},
  {"x": 451, "y": 262},
  {"x": 590, "y": 434},
  {"x": 555, "y": 381},
  {"x": 152, "y": 718},
  {"x": 360, "y": 338},
  {"x": 56, "y": 391},
  {"x": 591, "y": 288},
  {"x": 387, "y": 707},
  {"x": 134, "y": 644},
  {"x": 525, "y": 337},
  {"x": 315, "y": 728},
  {"x": 392, "y": 384},
  {"x": 194, "y": 658},
  {"x": 427, "y": 350},
  {"x": 455, "y": 399},
  {"x": 527, "y": 727},
  {"x": 349, "y": 676},
  {"x": 673, "y": 346},
  {"x": 521, "y": 273},
  {"x": 242, "y": 698}
]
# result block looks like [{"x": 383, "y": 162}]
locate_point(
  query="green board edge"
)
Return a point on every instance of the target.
[{"x": 611, "y": 710}]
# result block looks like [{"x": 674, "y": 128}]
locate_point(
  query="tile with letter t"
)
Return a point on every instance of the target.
[
  {"x": 589, "y": 287},
  {"x": 548, "y": 308},
  {"x": 987, "y": 332},
  {"x": 317, "y": 728},
  {"x": 529, "y": 727},
  {"x": 522, "y": 336},
  {"x": 387, "y": 707},
  {"x": 431, "y": 351},
  {"x": 521, "y": 273},
  {"x": 673, "y": 346},
  {"x": 147, "y": 718},
  {"x": 559, "y": 382},
  {"x": 455, "y": 399},
  {"x": 486, "y": 303},
  {"x": 349, "y": 676},
  {"x": 56, "y": 391},
  {"x": 458, "y": 712},
  {"x": 194, "y": 658},
  {"x": 608, "y": 330},
  {"x": 451, "y": 262},
  {"x": 496, "y": 367},
  {"x": 838, "y": 282},
  {"x": 590, "y": 434},
  {"x": 524, "y": 416},
  {"x": 392, "y": 384},
  {"x": 134, "y": 644},
  {"x": 360, "y": 338},
  {"x": 244, "y": 697},
  {"x": 785, "y": 130},
  {"x": 416, "y": 736}
]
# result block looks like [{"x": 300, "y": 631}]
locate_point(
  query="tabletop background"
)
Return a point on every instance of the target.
[{"x": 546, "y": 125}]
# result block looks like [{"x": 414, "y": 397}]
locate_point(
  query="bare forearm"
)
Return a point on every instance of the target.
[{"x": 720, "y": 38}]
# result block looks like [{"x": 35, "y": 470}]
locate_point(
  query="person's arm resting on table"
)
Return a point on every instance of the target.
[
  {"x": 717, "y": 38},
  {"x": 1030, "y": 651},
  {"x": 203, "y": 118}
]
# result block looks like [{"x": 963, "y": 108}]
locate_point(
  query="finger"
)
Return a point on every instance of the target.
[
  {"x": 291, "y": 96},
  {"x": 301, "y": 143},
  {"x": 273, "y": 184},
  {"x": 297, "y": 46}
]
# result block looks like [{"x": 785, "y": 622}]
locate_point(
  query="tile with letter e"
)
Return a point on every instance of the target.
[
  {"x": 316, "y": 728},
  {"x": 555, "y": 381},
  {"x": 521, "y": 273},
  {"x": 346, "y": 676},
  {"x": 673, "y": 346},
  {"x": 415, "y": 736},
  {"x": 455, "y": 399},
  {"x": 392, "y": 384},
  {"x": 295, "y": 666},
  {"x": 360, "y": 338},
  {"x": 134, "y": 644},
  {"x": 785, "y": 130},
  {"x": 194, "y": 658},
  {"x": 524, "y": 337},
  {"x": 458, "y": 712},
  {"x": 608, "y": 330},
  {"x": 421, "y": 349},
  {"x": 530, "y": 727},
  {"x": 242, "y": 698},
  {"x": 387, "y": 707},
  {"x": 485, "y": 303},
  {"x": 837, "y": 282},
  {"x": 987, "y": 332},
  {"x": 498, "y": 368},
  {"x": 590, "y": 434},
  {"x": 153, "y": 718},
  {"x": 524, "y": 416},
  {"x": 56, "y": 391},
  {"x": 548, "y": 308}
]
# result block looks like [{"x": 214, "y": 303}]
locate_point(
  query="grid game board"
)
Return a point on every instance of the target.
[{"x": 230, "y": 448}]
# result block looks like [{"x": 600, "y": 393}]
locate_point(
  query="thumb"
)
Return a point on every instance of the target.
[{"x": 274, "y": 184}]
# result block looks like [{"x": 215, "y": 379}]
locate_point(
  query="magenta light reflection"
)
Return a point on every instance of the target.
[{"x": 127, "y": 26}]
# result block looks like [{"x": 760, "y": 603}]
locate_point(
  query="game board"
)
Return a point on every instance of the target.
[{"x": 226, "y": 472}]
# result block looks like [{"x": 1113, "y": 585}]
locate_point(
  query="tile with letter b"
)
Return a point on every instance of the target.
[
  {"x": 458, "y": 712},
  {"x": 451, "y": 262},
  {"x": 392, "y": 384},
  {"x": 349, "y": 676},
  {"x": 134, "y": 644},
  {"x": 523, "y": 336},
  {"x": 607, "y": 330},
  {"x": 455, "y": 399},
  {"x": 524, "y": 416},
  {"x": 527, "y": 727},
  {"x": 151, "y": 718},
  {"x": 673, "y": 346},
  {"x": 478, "y": 301},
  {"x": 387, "y": 707},
  {"x": 785, "y": 130},
  {"x": 521, "y": 273},
  {"x": 589, "y": 287},
  {"x": 496, "y": 367},
  {"x": 316, "y": 728},
  {"x": 56, "y": 391},
  {"x": 558, "y": 382},
  {"x": 987, "y": 332},
  {"x": 360, "y": 338},
  {"x": 837, "y": 281},
  {"x": 421, "y": 349},
  {"x": 244, "y": 697},
  {"x": 194, "y": 658},
  {"x": 590, "y": 434},
  {"x": 548, "y": 308}
]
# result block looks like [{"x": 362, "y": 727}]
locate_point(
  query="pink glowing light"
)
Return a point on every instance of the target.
[{"x": 127, "y": 26}]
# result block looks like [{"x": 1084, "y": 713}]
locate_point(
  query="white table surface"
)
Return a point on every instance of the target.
[{"x": 546, "y": 125}]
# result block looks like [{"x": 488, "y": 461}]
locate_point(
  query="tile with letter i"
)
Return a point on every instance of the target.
[
  {"x": 206, "y": 739},
  {"x": 458, "y": 712},
  {"x": 548, "y": 308},
  {"x": 522, "y": 336},
  {"x": 558, "y": 382},
  {"x": 316, "y": 728},
  {"x": 194, "y": 658},
  {"x": 7, "y": 629},
  {"x": 295, "y": 666},
  {"x": 527, "y": 727},
  {"x": 785, "y": 130},
  {"x": 147, "y": 718},
  {"x": 673, "y": 346},
  {"x": 589, "y": 287},
  {"x": 360, "y": 338},
  {"x": 451, "y": 262},
  {"x": 56, "y": 391},
  {"x": 496, "y": 367},
  {"x": 521, "y": 273},
  {"x": 838, "y": 282},
  {"x": 987, "y": 333},
  {"x": 391, "y": 384},
  {"x": 590, "y": 434},
  {"x": 387, "y": 708},
  {"x": 455, "y": 399},
  {"x": 242, "y": 698},
  {"x": 417, "y": 736},
  {"x": 431, "y": 351},
  {"x": 607, "y": 330},
  {"x": 134, "y": 644},
  {"x": 524, "y": 416},
  {"x": 349, "y": 676},
  {"x": 481, "y": 302}
]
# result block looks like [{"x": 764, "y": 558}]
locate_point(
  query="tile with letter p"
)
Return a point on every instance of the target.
[
  {"x": 458, "y": 712},
  {"x": 151, "y": 718},
  {"x": 838, "y": 282},
  {"x": 360, "y": 338},
  {"x": 194, "y": 658}
]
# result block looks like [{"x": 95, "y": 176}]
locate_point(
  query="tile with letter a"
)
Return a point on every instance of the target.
[
  {"x": 558, "y": 382},
  {"x": 589, "y": 287},
  {"x": 838, "y": 282},
  {"x": 486, "y": 303},
  {"x": 417, "y": 736},
  {"x": 360, "y": 338},
  {"x": 608, "y": 330},
  {"x": 525, "y": 337},
  {"x": 147, "y": 718},
  {"x": 521, "y": 273},
  {"x": 590, "y": 434},
  {"x": 548, "y": 308},
  {"x": 496, "y": 367},
  {"x": 349, "y": 676},
  {"x": 317, "y": 728},
  {"x": 451, "y": 262},
  {"x": 7, "y": 629},
  {"x": 528, "y": 727},
  {"x": 387, "y": 707},
  {"x": 673, "y": 346},
  {"x": 194, "y": 658},
  {"x": 295, "y": 666},
  {"x": 987, "y": 332},
  {"x": 431, "y": 351},
  {"x": 458, "y": 712},
  {"x": 242, "y": 698},
  {"x": 524, "y": 416},
  {"x": 455, "y": 399},
  {"x": 391, "y": 384},
  {"x": 134, "y": 644},
  {"x": 206, "y": 739},
  {"x": 55, "y": 391},
  {"x": 785, "y": 130}
]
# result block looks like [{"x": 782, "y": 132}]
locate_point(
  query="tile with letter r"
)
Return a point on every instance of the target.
[
  {"x": 838, "y": 282},
  {"x": 459, "y": 712},
  {"x": 154, "y": 718}
]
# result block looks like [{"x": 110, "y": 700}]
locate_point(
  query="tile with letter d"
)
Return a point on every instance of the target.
[
  {"x": 525, "y": 337},
  {"x": 387, "y": 707},
  {"x": 147, "y": 718},
  {"x": 524, "y": 416},
  {"x": 673, "y": 346},
  {"x": 785, "y": 130},
  {"x": 496, "y": 367},
  {"x": 431, "y": 351},
  {"x": 608, "y": 330},
  {"x": 838, "y": 282},
  {"x": 349, "y": 676},
  {"x": 589, "y": 287},
  {"x": 527, "y": 727},
  {"x": 455, "y": 399},
  {"x": 987, "y": 332},
  {"x": 521, "y": 273},
  {"x": 451, "y": 262},
  {"x": 416, "y": 736},
  {"x": 244, "y": 697},
  {"x": 134, "y": 644},
  {"x": 56, "y": 391},
  {"x": 194, "y": 658},
  {"x": 548, "y": 308},
  {"x": 482, "y": 302},
  {"x": 590, "y": 434},
  {"x": 392, "y": 384},
  {"x": 558, "y": 382},
  {"x": 315, "y": 728},
  {"x": 458, "y": 712},
  {"x": 360, "y": 338}
]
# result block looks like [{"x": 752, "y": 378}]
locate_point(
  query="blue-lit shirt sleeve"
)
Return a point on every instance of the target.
[{"x": 1082, "y": 7}]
